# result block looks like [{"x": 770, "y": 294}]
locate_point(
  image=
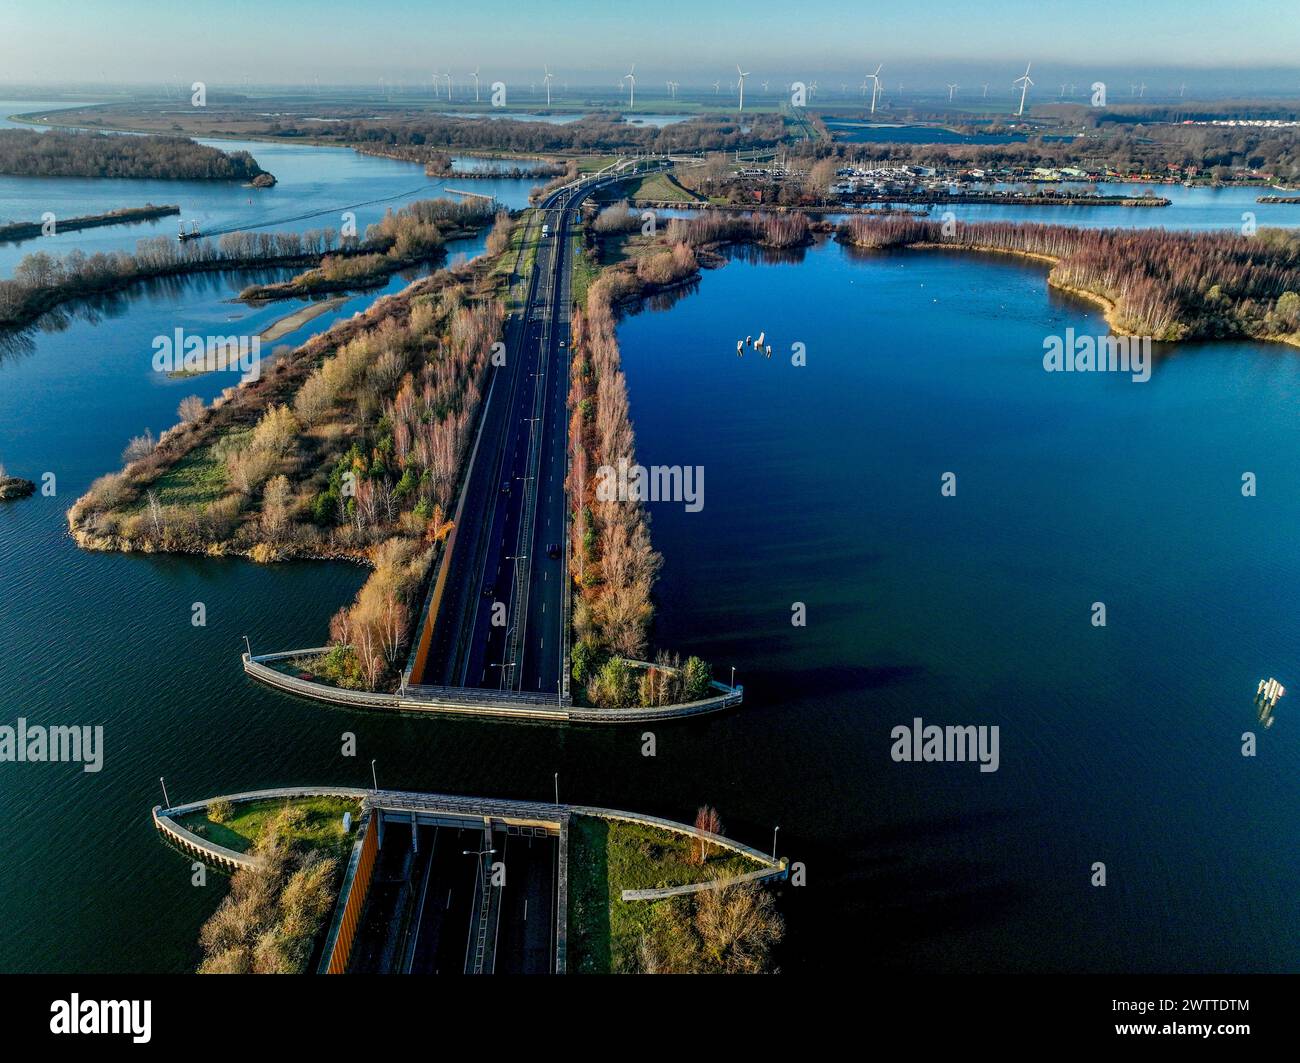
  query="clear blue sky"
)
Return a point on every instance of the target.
[{"x": 694, "y": 41}]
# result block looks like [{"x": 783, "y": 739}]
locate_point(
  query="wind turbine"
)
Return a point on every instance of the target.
[
  {"x": 1142, "y": 89},
  {"x": 1024, "y": 82},
  {"x": 717, "y": 87},
  {"x": 743, "y": 74},
  {"x": 812, "y": 90},
  {"x": 1062, "y": 90},
  {"x": 449, "y": 86},
  {"x": 986, "y": 90},
  {"x": 547, "y": 82},
  {"x": 875, "y": 87},
  {"x": 436, "y": 76},
  {"x": 475, "y": 77},
  {"x": 630, "y": 76},
  {"x": 951, "y": 90}
]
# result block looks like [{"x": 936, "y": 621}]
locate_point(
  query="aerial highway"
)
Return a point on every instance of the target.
[{"x": 501, "y": 621}]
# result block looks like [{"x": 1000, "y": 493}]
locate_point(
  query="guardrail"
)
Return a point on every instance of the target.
[
  {"x": 502, "y": 808},
  {"x": 699, "y": 887},
  {"x": 230, "y": 859},
  {"x": 474, "y": 701}
]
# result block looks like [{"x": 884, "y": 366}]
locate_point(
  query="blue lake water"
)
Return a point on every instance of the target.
[{"x": 1120, "y": 744}]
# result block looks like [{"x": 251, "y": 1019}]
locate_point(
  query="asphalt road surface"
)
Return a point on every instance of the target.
[{"x": 514, "y": 515}]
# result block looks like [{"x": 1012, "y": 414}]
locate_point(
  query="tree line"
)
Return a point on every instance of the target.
[
  {"x": 65, "y": 153},
  {"x": 595, "y": 132},
  {"x": 1166, "y": 285}
]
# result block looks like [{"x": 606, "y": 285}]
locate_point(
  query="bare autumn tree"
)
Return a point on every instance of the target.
[
  {"x": 395, "y": 622},
  {"x": 190, "y": 409},
  {"x": 738, "y": 927},
  {"x": 707, "y": 821},
  {"x": 341, "y": 627},
  {"x": 276, "y": 498}
]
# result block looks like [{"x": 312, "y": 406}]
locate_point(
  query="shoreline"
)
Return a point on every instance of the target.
[
  {"x": 1106, "y": 304},
  {"x": 294, "y": 321}
]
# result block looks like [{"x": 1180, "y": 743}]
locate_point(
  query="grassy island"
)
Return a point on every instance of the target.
[
  {"x": 67, "y": 153},
  {"x": 26, "y": 230},
  {"x": 350, "y": 447}
]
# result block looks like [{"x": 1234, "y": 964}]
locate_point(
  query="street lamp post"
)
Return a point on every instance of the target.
[
  {"x": 733, "y": 677},
  {"x": 477, "y": 853},
  {"x": 167, "y": 801},
  {"x": 373, "y": 777},
  {"x": 557, "y": 787},
  {"x": 774, "y": 830}
]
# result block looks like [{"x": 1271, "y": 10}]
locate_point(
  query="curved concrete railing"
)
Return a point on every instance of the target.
[
  {"x": 469, "y": 701},
  {"x": 166, "y": 821},
  {"x": 230, "y": 859},
  {"x": 498, "y": 807}
]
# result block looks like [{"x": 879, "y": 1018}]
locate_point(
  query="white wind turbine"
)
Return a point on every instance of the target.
[
  {"x": 986, "y": 90},
  {"x": 449, "y": 87},
  {"x": 875, "y": 86},
  {"x": 547, "y": 82},
  {"x": 436, "y": 76},
  {"x": 717, "y": 87},
  {"x": 630, "y": 77},
  {"x": 1024, "y": 82},
  {"x": 951, "y": 90},
  {"x": 475, "y": 77},
  {"x": 743, "y": 74}
]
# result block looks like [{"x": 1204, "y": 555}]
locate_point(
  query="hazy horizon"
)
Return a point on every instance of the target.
[{"x": 122, "y": 44}]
